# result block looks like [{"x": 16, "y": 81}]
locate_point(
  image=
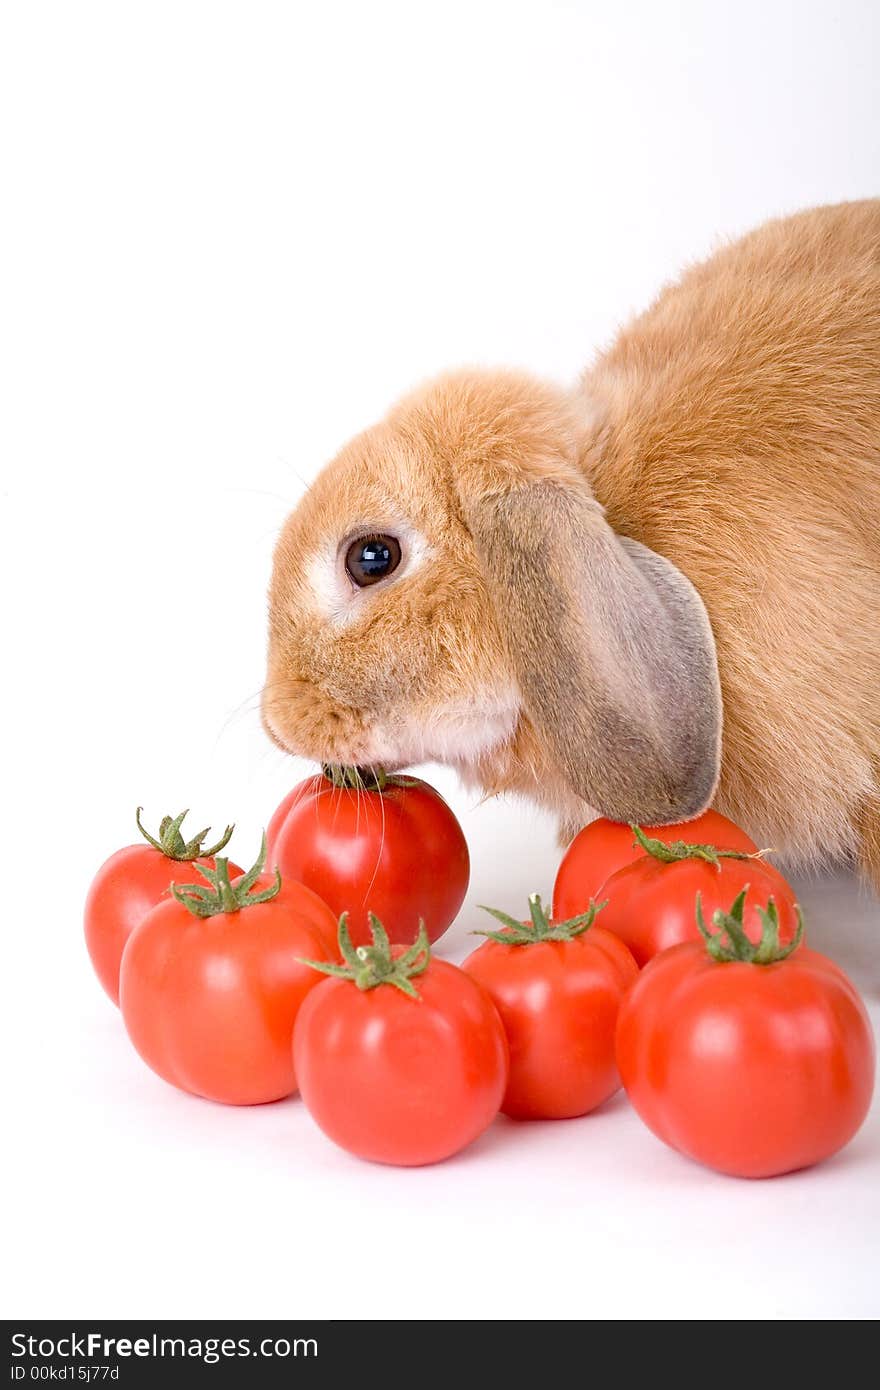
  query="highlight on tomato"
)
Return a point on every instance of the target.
[
  {"x": 132, "y": 881},
  {"x": 753, "y": 1057},
  {"x": 558, "y": 987},
  {"x": 401, "y": 1058},
  {"x": 212, "y": 980},
  {"x": 604, "y": 846},
  {"x": 368, "y": 842},
  {"x": 651, "y": 901}
]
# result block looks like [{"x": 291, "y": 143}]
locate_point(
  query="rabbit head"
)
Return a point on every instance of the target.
[{"x": 449, "y": 588}]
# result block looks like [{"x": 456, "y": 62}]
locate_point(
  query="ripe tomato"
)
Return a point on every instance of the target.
[
  {"x": 393, "y": 1071},
  {"x": 131, "y": 882},
  {"x": 212, "y": 980},
  {"x": 651, "y": 901},
  {"x": 751, "y": 1068},
  {"x": 370, "y": 843},
  {"x": 604, "y": 846},
  {"x": 558, "y": 988}
]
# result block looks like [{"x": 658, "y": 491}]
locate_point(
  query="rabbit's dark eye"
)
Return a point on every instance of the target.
[{"x": 372, "y": 558}]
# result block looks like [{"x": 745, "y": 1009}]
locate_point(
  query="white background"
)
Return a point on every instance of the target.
[{"x": 232, "y": 233}]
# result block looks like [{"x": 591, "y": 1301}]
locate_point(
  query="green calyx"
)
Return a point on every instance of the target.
[
  {"x": 730, "y": 941},
  {"x": 171, "y": 843},
  {"x": 218, "y": 895},
  {"x": 680, "y": 849},
  {"x": 370, "y": 966},
  {"x": 540, "y": 928},
  {"x": 364, "y": 779}
]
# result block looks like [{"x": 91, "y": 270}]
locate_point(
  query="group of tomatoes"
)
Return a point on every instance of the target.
[{"x": 672, "y": 961}]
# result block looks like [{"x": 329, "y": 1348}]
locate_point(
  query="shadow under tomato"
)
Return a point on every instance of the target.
[
  {"x": 505, "y": 1133},
  {"x": 679, "y": 1170}
]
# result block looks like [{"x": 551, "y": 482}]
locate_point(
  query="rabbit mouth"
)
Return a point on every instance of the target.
[{"x": 302, "y": 719}]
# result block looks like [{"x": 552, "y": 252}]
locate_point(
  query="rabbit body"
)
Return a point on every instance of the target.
[
  {"x": 737, "y": 432},
  {"x": 542, "y": 632}
]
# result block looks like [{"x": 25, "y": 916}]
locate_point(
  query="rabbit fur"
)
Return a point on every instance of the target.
[{"x": 657, "y": 590}]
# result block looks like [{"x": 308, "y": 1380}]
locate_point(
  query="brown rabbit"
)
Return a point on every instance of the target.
[{"x": 516, "y": 580}]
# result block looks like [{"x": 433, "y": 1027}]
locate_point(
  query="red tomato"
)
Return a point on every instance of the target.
[
  {"x": 753, "y": 1069},
  {"x": 604, "y": 846},
  {"x": 212, "y": 980},
  {"x": 390, "y": 846},
  {"x": 131, "y": 882},
  {"x": 396, "y": 1069},
  {"x": 650, "y": 904},
  {"x": 558, "y": 988}
]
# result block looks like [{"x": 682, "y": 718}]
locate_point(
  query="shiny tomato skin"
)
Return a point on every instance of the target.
[
  {"x": 399, "y": 853},
  {"x": 210, "y": 1003},
  {"x": 127, "y": 886},
  {"x": 652, "y": 906},
  {"x": 399, "y": 1080},
  {"x": 605, "y": 846},
  {"x": 285, "y": 805},
  {"x": 559, "y": 1002},
  {"x": 752, "y": 1070}
]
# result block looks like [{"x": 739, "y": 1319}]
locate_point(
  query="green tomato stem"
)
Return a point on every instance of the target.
[
  {"x": 541, "y": 928},
  {"x": 364, "y": 779},
  {"x": 677, "y": 850},
  {"x": 730, "y": 941},
  {"x": 374, "y": 965},
  {"x": 221, "y": 895},
  {"x": 171, "y": 843}
]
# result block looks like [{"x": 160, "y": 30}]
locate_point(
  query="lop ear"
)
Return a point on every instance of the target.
[{"x": 612, "y": 650}]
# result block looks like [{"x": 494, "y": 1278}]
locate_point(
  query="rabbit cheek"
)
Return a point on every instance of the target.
[{"x": 458, "y": 731}]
